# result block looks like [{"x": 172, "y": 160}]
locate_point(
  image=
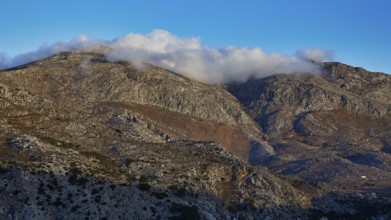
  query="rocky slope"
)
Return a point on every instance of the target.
[
  {"x": 86, "y": 138},
  {"x": 88, "y": 84},
  {"x": 330, "y": 128}
]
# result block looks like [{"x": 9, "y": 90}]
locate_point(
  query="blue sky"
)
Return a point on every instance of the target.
[{"x": 359, "y": 31}]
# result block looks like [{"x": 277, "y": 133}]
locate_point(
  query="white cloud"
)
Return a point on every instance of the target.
[
  {"x": 79, "y": 43},
  {"x": 187, "y": 56},
  {"x": 316, "y": 54}
]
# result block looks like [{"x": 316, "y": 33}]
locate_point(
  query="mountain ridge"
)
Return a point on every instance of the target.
[{"x": 252, "y": 150}]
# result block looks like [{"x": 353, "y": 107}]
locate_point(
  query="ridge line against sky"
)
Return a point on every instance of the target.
[
  {"x": 187, "y": 56},
  {"x": 359, "y": 31}
]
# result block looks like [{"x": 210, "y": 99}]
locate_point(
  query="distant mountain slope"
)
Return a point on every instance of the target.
[{"x": 333, "y": 127}]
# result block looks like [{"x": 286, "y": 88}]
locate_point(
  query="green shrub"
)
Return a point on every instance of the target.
[
  {"x": 144, "y": 186},
  {"x": 180, "y": 192},
  {"x": 173, "y": 187},
  {"x": 143, "y": 179},
  {"x": 143, "y": 183},
  {"x": 185, "y": 212}
]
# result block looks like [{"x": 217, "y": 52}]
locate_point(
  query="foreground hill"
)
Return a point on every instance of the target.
[{"x": 86, "y": 138}]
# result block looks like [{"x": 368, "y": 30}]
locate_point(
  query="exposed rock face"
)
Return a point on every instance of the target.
[
  {"x": 331, "y": 128},
  {"x": 73, "y": 184},
  {"x": 72, "y": 82},
  {"x": 83, "y": 137},
  {"x": 275, "y": 102}
]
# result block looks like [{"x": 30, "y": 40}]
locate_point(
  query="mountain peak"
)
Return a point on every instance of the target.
[{"x": 341, "y": 70}]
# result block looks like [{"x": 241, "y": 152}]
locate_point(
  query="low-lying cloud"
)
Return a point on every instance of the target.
[
  {"x": 3, "y": 60},
  {"x": 186, "y": 56}
]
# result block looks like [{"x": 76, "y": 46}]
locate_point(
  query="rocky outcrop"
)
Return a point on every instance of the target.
[
  {"x": 140, "y": 180},
  {"x": 83, "y": 82},
  {"x": 329, "y": 128},
  {"x": 276, "y": 102}
]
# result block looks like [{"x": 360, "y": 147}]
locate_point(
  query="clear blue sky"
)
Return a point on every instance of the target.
[{"x": 358, "y": 30}]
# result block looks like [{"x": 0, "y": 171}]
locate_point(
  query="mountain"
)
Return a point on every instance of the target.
[
  {"x": 87, "y": 138},
  {"x": 332, "y": 127}
]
